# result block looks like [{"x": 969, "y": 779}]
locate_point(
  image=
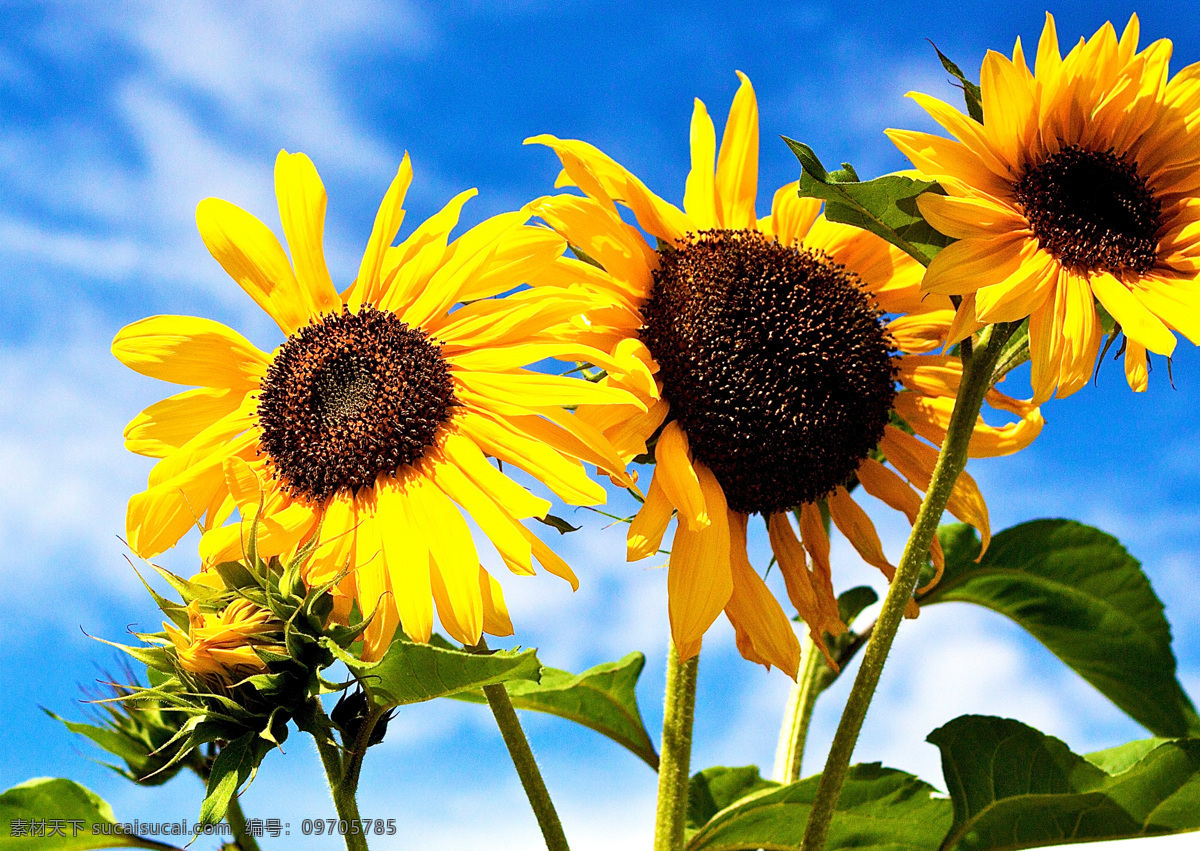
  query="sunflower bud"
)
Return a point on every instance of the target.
[{"x": 227, "y": 644}]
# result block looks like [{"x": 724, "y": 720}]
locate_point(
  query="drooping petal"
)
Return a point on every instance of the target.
[
  {"x": 680, "y": 478},
  {"x": 650, "y": 524},
  {"x": 699, "y": 577},
  {"x": 762, "y": 630}
]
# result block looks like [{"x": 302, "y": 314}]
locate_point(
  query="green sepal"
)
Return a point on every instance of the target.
[
  {"x": 234, "y": 766},
  {"x": 558, "y": 523}
]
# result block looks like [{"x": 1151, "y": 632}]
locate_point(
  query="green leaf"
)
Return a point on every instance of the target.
[
  {"x": 602, "y": 698},
  {"x": 412, "y": 673},
  {"x": 1014, "y": 787},
  {"x": 714, "y": 789},
  {"x": 971, "y": 92},
  {"x": 233, "y": 767},
  {"x": 49, "y": 805},
  {"x": 1078, "y": 592},
  {"x": 885, "y": 206},
  {"x": 853, "y": 601},
  {"x": 1122, "y": 757},
  {"x": 880, "y": 809},
  {"x": 558, "y": 523}
]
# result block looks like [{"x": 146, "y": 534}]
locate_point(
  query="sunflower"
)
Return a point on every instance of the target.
[
  {"x": 371, "y": 425},
  {"x": 1081, "y": 185},
  {"x": 768, "y": 353}
]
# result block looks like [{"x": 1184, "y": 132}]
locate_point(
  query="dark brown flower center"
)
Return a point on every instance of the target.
[
  {"x": 349, "y": 398},
  {"x": 1092, "y": 211},
  {"x": 775, "y": 362}
]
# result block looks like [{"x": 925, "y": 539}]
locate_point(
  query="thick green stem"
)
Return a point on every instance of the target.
[
  {"x": 978, "y": 367},
  {"x": 675, "y": 762},
  {"x": 527, "y": 770},
  {"x": 344, "y": 800},
  {"x": 793, "y": 732},
  {"x": 237, "y": 823}
]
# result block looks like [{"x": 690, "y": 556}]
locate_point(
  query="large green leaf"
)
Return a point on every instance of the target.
[
  {"x": 885, "y": 206},
  {"x": 1014, "y": 787},
  {"x": 880, "y": 809},
  {"x": 1077, "y": 590},
  {"x": 412, "y": 673},
  {"x": 603, "y": 698},
  {"x": 714, "y": 789},
  {"x": 49, "y": 806}
]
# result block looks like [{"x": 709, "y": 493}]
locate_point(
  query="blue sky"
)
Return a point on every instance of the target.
[{"x": 116, "y": 119}]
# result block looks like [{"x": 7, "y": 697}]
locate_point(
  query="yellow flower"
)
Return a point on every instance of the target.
[
  {"x": 372, "y": 423},
  {"x": 223, "y": 644},
  {"x": 1082, "y": 184},
  {"x": 762, "y": 348}
]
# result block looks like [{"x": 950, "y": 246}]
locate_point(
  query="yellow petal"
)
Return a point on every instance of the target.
[
  {"x": 1137, "y": 323},
  {"x": 816, "y": 542},
  {"x": 793, "y": 564},
  {"x": 964, "y": 266},
  {"x": 680, "y": 479},
  {"x": 1136, "y": 372},
  {"x": 302, "y": 200},
  {"x": 565, "y": 477},
  {"x": 371, "y": 581},
  {"x": 501, "y": 528},
  {"x": 496, "y": 620},
  {"x": 520, "y": 392},
  {"x": 167, "y": 425},
  {"x": 253, "y": 257},
  {"x": 854, "y": 523},
  {"x": 792, "y": 216},
  {"x": 892, "y": 491},
  {"x": 383, "y": 233},
  {"x": 966, "y": 218},
  {"x": 737, "y": 164},
  {"x": 650, "y": 524},
  {"x": 455, "y": 577},
  {"x": 762, "y": 630},
  {"x": 915, "y": 461},
  {"x": 699, "y": 194},
  {"x": 699, "y": 577},
  {"x": 190, "y": 350},
  {"x": 406, "y": 551}
]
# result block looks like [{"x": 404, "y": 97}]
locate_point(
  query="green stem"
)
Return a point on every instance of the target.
[
  {"x": 978, "y": 367},
  {"x": 674, "y": 764},
  {"x": 344, "y": 800},
  {"x": 237, "y": 823},
  {"x": 354, "y": 758},
  {"x": 814, "y": 678},
  {"x": 527, "y": 770}
]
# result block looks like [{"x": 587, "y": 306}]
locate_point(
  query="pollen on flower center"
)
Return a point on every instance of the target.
[
  {"x": 349, "y": 398},
  {"x": 1092, "y": 210},
  {"x": 775, "y": 362}
]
